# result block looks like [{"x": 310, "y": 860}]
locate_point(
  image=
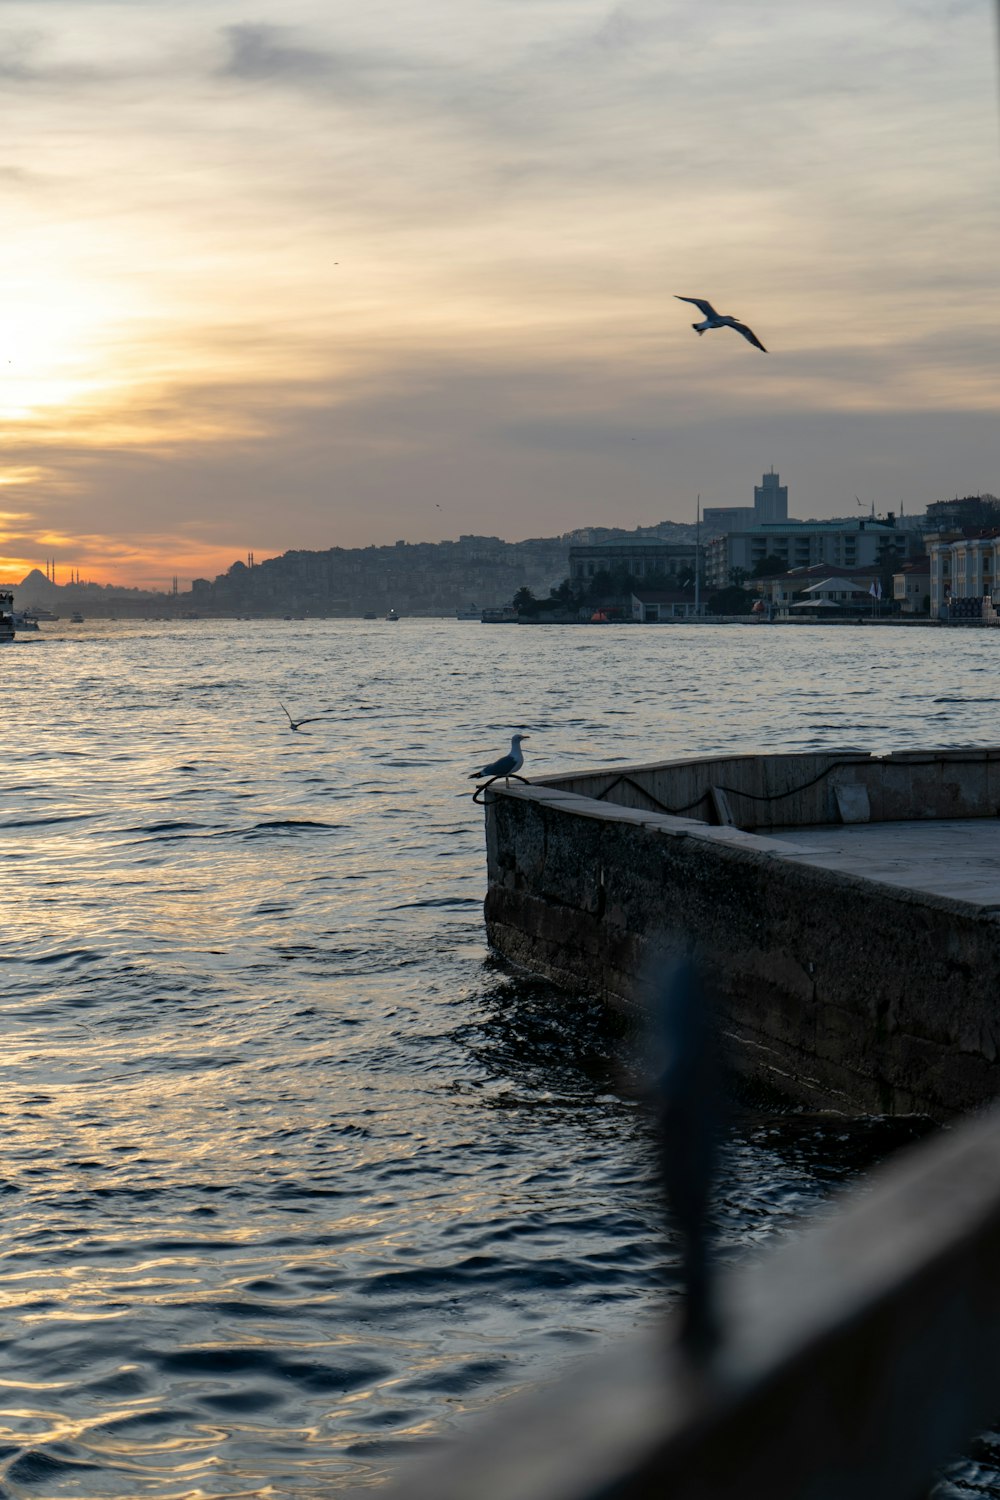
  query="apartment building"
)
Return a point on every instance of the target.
[{"x": 865, "y": 544}]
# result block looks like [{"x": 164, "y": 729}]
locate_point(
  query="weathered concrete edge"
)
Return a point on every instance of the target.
[
  {"x": 848, "y": 992},
  {"x": 726, "y": 839},
  {"x": 667, "y": 823},
  {"x": 861, "y": 1355}
]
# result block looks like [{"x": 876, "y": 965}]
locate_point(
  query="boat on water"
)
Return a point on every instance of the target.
[
  {"x": 76, "y": 618},
  {"x": 392, "y": 615},
  {"x": 6, "y": 616},
  {"x": 470, "y": 612},
  {"x": 24, "y": 620}
]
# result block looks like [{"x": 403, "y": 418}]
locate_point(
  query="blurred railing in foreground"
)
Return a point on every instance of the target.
[
  {"x": 849, "y": 1363},
  {"x": 854, "y": 1361}
]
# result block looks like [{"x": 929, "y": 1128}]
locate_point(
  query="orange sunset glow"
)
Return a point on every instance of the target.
[{"x": 356, "y": 277}]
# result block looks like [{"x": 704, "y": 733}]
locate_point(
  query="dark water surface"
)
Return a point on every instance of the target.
[{"x": 294, "y": 1175}]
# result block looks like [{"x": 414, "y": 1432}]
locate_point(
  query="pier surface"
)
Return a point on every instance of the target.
[{"x": 956, "y": 857}]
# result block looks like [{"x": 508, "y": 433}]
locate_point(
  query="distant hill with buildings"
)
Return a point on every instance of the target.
[
  {"x": 37, "y": 591},
  {"x": 432, "y": 578},
  {"x": 437, "y": 578},
  {"x": 429, "y": 578}
]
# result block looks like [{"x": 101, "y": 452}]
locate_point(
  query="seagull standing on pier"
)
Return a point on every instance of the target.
[
  {"x": 507, "y": 765},
  {"x": 719, "y": 320}
]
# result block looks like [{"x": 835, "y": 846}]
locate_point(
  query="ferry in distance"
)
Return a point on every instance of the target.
[{"x": 6, "y": 616}]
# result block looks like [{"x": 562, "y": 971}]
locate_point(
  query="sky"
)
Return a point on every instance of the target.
[{"x": 320, "y": 274}]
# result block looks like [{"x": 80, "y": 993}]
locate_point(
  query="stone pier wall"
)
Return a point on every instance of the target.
[{"x": 842, "y": 991}]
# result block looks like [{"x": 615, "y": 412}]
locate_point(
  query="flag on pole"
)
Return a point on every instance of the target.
[{"x": 872, "y": 590}]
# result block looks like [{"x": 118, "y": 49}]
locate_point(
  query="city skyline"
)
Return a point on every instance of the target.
[{"x": 358, "y": 277}]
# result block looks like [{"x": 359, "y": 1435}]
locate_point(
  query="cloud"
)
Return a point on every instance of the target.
[
  {"x": 17, "y": 52},
  {"x": 267, "y": 53},
  {"x": 38, "y": 60},
  {"x": 509, "y": 447},
  {"x": 296, "y": 276}
]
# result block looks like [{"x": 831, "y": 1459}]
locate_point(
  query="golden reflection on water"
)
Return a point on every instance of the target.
[{"x": 292, "y": 1173}]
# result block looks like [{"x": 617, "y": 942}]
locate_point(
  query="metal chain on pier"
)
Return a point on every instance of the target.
[
  {"x": 732, "y": 791},
  {"x": 479, "y": 795}
]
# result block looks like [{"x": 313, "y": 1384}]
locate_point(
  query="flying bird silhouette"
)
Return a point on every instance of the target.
[
  {"x": 720, "y": 320},
  {"x": 297, "y": 723},
  {"x": 507, "y": 764}
]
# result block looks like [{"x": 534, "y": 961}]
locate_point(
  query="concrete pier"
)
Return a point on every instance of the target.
[{"x": 844, "y": 907}]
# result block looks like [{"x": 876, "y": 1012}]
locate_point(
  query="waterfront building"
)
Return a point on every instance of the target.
[
  {"x": 864, "y": 544},
  {"x": 639, "y": 557},
  {"x": 911, "y": 586},
  {"x": 652, "y": 606},
  {"x": 821, "y": 585},
  {"x": 962, "y": 567}
]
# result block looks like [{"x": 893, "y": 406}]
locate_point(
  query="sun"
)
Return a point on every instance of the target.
[{"x": 56, "y": 345}]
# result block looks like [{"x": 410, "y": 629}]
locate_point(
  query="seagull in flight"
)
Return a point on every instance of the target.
[
  {"x": 720, "y": 320},
  {"x": 297, "y": 723},
  {"x": 507, "y": 764}
]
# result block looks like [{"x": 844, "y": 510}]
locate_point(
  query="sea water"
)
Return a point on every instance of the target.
[{"x": 296, "y": 1176}]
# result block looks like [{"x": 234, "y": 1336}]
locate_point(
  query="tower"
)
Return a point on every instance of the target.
[{"x": 770, "y": 499}]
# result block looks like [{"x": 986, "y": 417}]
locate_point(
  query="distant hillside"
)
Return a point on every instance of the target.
[{"x": 432, "y": 578}]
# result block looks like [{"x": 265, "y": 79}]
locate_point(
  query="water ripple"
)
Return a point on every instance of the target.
[{"x": 296, "y": 1176}]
